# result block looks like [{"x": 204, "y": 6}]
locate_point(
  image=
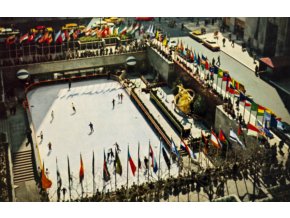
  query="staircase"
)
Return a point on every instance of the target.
[{"x": 22, "y": 167}]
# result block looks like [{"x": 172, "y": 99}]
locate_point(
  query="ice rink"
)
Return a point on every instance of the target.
[{"x": 69, "y": 134}]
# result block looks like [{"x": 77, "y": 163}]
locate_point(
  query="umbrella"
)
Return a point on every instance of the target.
[
  {"x": 131, "y": 61},
  {"x": 22, "y": 74}
]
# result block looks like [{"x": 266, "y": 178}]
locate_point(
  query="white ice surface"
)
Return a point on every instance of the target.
[{"x": 69, "y": 133}]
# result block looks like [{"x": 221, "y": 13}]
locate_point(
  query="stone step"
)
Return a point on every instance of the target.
[
  {"x": 22, "y": 158},
  {"x": 23, "y": 178},
  {"x": 22, "y": 168},
  {"x": 17, "y": 154}
]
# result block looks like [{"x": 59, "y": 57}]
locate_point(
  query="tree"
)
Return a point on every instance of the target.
[{"x": 199, "y": 106}]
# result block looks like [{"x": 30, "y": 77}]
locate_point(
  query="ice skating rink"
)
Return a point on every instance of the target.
[{"x": 69, "y": 134}]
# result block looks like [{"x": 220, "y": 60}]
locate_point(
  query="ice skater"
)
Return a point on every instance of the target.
[
  {"x": 52, "y": 115},
  {"x": 113, "y": 102},
  {"x": 41, "y": 137},
  {"x": 118, "y": 147},
  {"x": 63, "y": 193},
  {"x": 121, "y": 97},
  {"x": 69, "y": 84},
  {"x": 73, "y": 107},
  {"x": 91, "y": 127},
  {"x": 218, "y": 61},
  {"x": 49, "y": 146}
]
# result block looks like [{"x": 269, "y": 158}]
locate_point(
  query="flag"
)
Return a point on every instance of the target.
[
  {"x": 215, "y": 69},
  {"x": 69, "y": 175},
  {"x": 154, "y": 162},
  {"x": 220, "y": 73},
  {"x": 23, "y": 38},
  {"x": 45, "y": 182},
  {"x": 203, "y": 57},
  {"x": 139, "y": 160},
  {"x": 57, "y": 35},
  {"x": 106, "y": 174},
  {"x": 123, "y": 31},
  {"x": 254, "y": 106},
  {"x": 280, "y": 125},
  {"x": 235, "y": 138},
  {"x": 165, "y": 41},
  {"x": 242, "y": 97},
  {"x": 240, "y": 131},
  {"x": 260, "y": 112},
  {"x": 187, "y": 148},
  {"x": 81, "y": 170},
  {"x": 206, "y": 65},
  {"x": 165, "y": 156},
  {"x": 226, "y": 77},
  {"x": 222, "y": 137},
  {"x": 267, "y": 116},
  {"x": 31, "y": 37},
  {"x": 204, "y": 139},
  {"x": 236, "y": 84},
  {"x": 132, "y": 165},
  {"x": 93, "y": 165},
  {"x": 118, "y": 165},
  {"x": 214, "y": 140},
  {"x": 174, "y": 148},
  {"x": 59, "y": 181}
]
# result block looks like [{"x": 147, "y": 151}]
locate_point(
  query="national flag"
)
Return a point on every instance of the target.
[
  {"x": 240, "y": 131},
  {"x": 260, "y": 112},
  {"x": 191, "y": 56},
  {"x": 204, "y": 139},
  {"x": 58, "y": 177},
  {"x": 118, "y": 165},
  {"x": 214, "y": 140},
  {"x": 236, "y": 84},
  {"x": 39, "y": 35},
  {"x": 203, "y": 57},
  {"x": 31, "y": 37},
  {"x": 254, "y": 106},
  {"x": 154, "y": 162},
  {"x": 23, "y": 38},
  {"x": 75, "y": 34},
  {"x": 280, "y": 125},
  {"x": 123, "y": 31},
  {"x": 206, "y": 65},
  {"x": 10, "y": 40},
  {"x": 165, "y": 156},
  {"x": 57, "y": 35},
  {"x": 71, "y": 32},
  {"x": 49, "y": 39},
  {"x": 174, "y": 148},
  {"x": 226, "y": 77},
  {"x": 45, "y": 182},
  {"x": 253, "y": 128},
  {"x": 242, "y": 88},
  {"x": 132, "y": 165},
  {"x": 69, "y": 175},
  {"x": 165, "y": 41},
  {"x": 198, "y": 60},
  {"x": 242, "y": 97},
  {"x": 220, "y": 73},
  {"x": 187, "y": 148},
  {"x": 93, "y": 165},
  {"x": 139, "y": 160},
  {"x": 222, "y": 136},
  {"x": 215, "y": 70},
  {"x": 235, "y": 138},
  {"x": 106, "y": 174},
  {"x": 195, "y": 58},
  {"x": 81, "y": 174}
]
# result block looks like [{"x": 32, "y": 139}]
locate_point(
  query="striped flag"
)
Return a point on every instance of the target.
[
  {"x": 174, "y": 149},
  {"x": 132, "y": 165},
  {"x": 235, "y": 138},
  {"x": 187, "y": 148},
  {"x": 214, "y": 140},
  {"x": 106, "y": 174},
  {"x": 154, "y": 162},
  {"x": 165, "y": 156},
  {"x": 45, "y": 182}
]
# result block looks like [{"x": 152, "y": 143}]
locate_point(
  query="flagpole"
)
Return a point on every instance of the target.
[
  {"x": 127, "y": 170},
  {"x": 222, "y": 87},
  {"x": 138, "y": 163},
  {"x": 69, "y": 176},
  {"x": 159, "y": 159},
  {"x": 216, "y": 85},
  {"x": 244, "y": 109},
  {"x": 115, "y": 170},
  {"x": 148, "y": 160},
  {"x": 93, "y": 173}
]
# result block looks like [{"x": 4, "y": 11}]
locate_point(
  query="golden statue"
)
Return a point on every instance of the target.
[{"x": 183, "y": 99}]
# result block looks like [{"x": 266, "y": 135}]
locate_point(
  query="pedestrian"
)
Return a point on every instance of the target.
[
  {"x": 113, "y": 102},
  {"x": 69, "y": 84},
  {"x": 49, "y": 146},
  {"x": 41, "y": 136},
  {"x": 91, "y": 127},
  {"x": 63, "y": 193},
  {"x": 47, "y": 173},
  {"x": 121, "y": 97},
  {"x": 146, "y": 162},
  {"x": 58, "y": 194},
  {"x": 224, "y": 41},
  {"x": 28, "y": 136},
  {"x": 218, "y": 61},
  {"x": 233, "y": 43},
  {"x": 118, "y": 147},
  {"x": 73, "y": 107},
  {"x": 257, "y": 70}
]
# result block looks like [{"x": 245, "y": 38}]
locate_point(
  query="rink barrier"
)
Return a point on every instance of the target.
[{"x": 151, "y": 119}]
